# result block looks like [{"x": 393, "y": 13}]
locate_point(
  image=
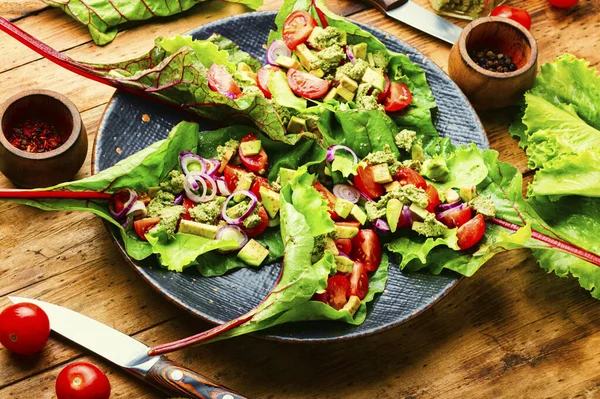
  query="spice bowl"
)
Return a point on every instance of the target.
[
  {"x": 46, "y": 117},
  {"x": 486, "y": 89}
]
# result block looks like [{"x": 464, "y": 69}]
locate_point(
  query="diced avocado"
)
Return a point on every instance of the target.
[
  {"x": 296, "y": 125},
  {"x": 420, "y": 212},
  {"x": 370, "y": 59},
  {"x": 249, "y": 148},
  {"x": 348, "y": 83},
  {"x": 451, "y": 196},
  {"x": 346, "y": 231},
  {"x": 352, "y": 305},
  {"x": 468, "y": 193},
  {"x": 344, "y": 93},
  {"x": 288, "y": 62},
  {"x": 286, "y": 175},
  {"x": 198, "y": 229},
  {"x": 274, "y": 222},
  {"x": 392, "y": 213},
  {"x": 343, "y": 207},
  {"x": 381, "y": 173},
  {"x": 374, "y": 78},
  {"x": 331, "y": 95},
  {"x": 305, "y": 56},
  {"x": 393, "y": 186},
  {"x": 417, "y": 153},
  {"x": 227, "y": 155},
  {"x": 318, "y": 73},
  {"x": 244, "y": 183},
  {"x": 343, "y": 38},
  {"x": 243, "y": 67},
  {"x": 152, "y": 191},
  {"x": 270, "y": 200},
  {"x": 313, "y": 38},
  {"x": 359, "y": 214},
  {"x": 331, "y": 247},
  {"x": 253, "y": 253},
  {"x": 343, "y": 264},
  {"x": 360, "y": 51},
  {"x": 282, "y": 93}
]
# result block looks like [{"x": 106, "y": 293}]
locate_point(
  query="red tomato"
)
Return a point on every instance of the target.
[
  {"x": 471, "y": 232},
  {"x": 81, "y": 380},
  {"x": 398, "y": 98},
  {"x": 359, "y": 281},
  {"x": 187, "y": 205},
  {"x": 257, "y": 184},
  {"x": 563, "y": 3},
  {"x": 254, "y": 163},
  {"x": 383, "y": 95},
  {"x": 221, "y": 81},
  {"x": 231, "y": 177},
  {"x": 365, "y": 182},
  {"x": 320, "y": 297},
  {"x": 408, "y": 176},
  {"x": 297, "y": 28},
  {"x": 516, "y": 14},
  {"x": 457, "y": 217},
  {"x": 344, "y": 245},
  {"x": 143, "y": 226},
  {"x": 338, "y": 291},
  {"x": 24, "y": 328},
  {"x": 307, "y": 85},
  {"x": 434, "y": 198},
  {"x": 366, "y": 249},
  {"x": 261, "y": 226},
  {"x": 264, "y": 76},
  {"x": 329, "y": 198}
]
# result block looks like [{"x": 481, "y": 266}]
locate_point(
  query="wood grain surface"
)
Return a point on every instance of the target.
[{"x": 510, "y": 331}]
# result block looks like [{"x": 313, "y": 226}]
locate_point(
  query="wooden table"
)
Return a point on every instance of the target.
[{"x": 509, "y": 331}]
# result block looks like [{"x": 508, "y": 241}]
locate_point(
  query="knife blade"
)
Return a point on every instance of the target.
[
  {"x": 418, "y": 17},
  {"x": 129, "y": 354}
]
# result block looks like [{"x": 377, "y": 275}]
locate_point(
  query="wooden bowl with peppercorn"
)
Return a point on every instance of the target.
[
  {"x": 494, "y": 62},
  {"x": 42, "y": 139}
]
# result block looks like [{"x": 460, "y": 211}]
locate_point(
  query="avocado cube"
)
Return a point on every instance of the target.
[
  {"x": 360, "y": 51},
  {"x": 243, "y": 67},
  {"x": 451, "y": 196},
  {"x": 346, "y": 231},
  {"x": 152, "y": 191},
  {"x": 331, "y": 95},
  {"x": 348, "y": 83},
  {"x": 296, "y": 125},
  {"x": 344, "y": 93},
  {"x": 253, "y": 253},
  {"x": 381, "y": 173},
  {"x": 374, "y": 78},
  {"x": 249, "y": 148},
  {"x": 392, "y": 213},
  {"x": 331, "y": 247},
  {"x": 288, "y": 62},
  {"x": 318, "y": 73},
  {"x": 313, "y": 38},
  {"x": 352, "y": 305},
  {"x": 343, "y": 207},
  {"x": 343, "y": 264},
  {"x": 305, "y": 56},
  {"x": 270, "y": 200},
  {"x": 359, "y": 214},
  {"x": 244, "y": 183},
  {"x": 467, "y": 193},
  {"x": 227, "y": 155},
  {"x": 198, "y": 229},
  {"x": 286, "y": 175},
  {"x": 393, "y": 186},
  {"x": 420, "y": 212}
]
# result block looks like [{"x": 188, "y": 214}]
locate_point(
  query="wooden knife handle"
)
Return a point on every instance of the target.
[
  {"x": 385, "y": 5},
  {"x": 180, "y": 381}
]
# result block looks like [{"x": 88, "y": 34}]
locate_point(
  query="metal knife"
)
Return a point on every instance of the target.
[
  {"x": 130, "y": 354},
  {"x": 416, "y": 16}
]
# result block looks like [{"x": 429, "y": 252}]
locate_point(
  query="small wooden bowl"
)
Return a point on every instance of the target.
[
  {"x": 34, "y": 170},
  {"x": 493, "y": 90}
]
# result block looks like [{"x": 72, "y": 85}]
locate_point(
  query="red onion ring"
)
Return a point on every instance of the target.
[
  {"x": 212, "y": 165},
  {"x": 222, "y": 186},
  {"x": 407, "y": 215},
  {"x": 253, "y": 204},
  {"x": 186, "y": 158},
  {"x": 382, "y": 226},
  {"x": 445, "y": 207},
  {"x": 193, "y": 179},
  {"x": 232, "y": 233},
  {"x": 346, "y": 192},
  {"x": 277, "y": 48},
  {"x": 179, "y": 198},
  {"x": 131, "y": 198},
  {"x": 332, "y": 149}
]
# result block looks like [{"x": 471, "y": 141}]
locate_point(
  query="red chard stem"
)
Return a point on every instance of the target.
[{"x": 31, "y": 194}]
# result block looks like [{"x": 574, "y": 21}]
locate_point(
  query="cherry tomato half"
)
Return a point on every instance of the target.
[
  {"x": 344, "y": 245},
  {"x": 261, "y": 226},
  {"x": 563, "y": 3},
  {"x": 516, "y": 14},
  {"x": 187, "y": 205},
  {"x": 471, "y": 232},
  {"x": 366, "y": 249},
  {"x": 143, "y": 226},
  {"x": 24, "y": 328},
  {"x": 221, "y": 81},
  {"x": 359, "y": 281},
  {"x": 307, "y": 85},
  {"x": 81, "y": 380},
  {"x": 254, "y": 163},
  {"x": 398, "y": 98},
  {"x": 329, "y": 198},
  {"x": 297, "y": 28},
  {"x": 383, "y": 95},
  {"x": 456, "y": 217},
  {"x": 338, "y": 291},
  {"x": 434, "y": 198},
  {"x": 365, "y": 182},
  {"x": 257, "y": 184},
  {"x": 408, "y": 176},
  {"x": 264, "y": 76},
  {"x": 231, "y": 177}
]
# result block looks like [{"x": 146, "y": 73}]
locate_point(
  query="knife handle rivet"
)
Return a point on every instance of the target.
[{"x": 177, "y": 375}]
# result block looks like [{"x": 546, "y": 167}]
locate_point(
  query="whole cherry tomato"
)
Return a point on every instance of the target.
[
  {"x": 81, "y": 380},
  {"x": 516, "y": 14},
  {"x": 24, "y": 328}
]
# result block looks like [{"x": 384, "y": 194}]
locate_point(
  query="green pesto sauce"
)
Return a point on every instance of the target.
[
  {"x": 430, "y": 227},
  {"x": 328, "y": 37},
  {"x": 484, "y": 205},
  {"x": 169, "y": 218},
  {"x": 238, "y": 210},
  {"x": 408, "y": 194},
  {"x": 329, "y": 58},
  {"x": 162, "y": 199},
  {"x": 354, "y": 70},
  {"x": 207, "y": 212},
  {"x": 380, "y": 59},
  {"x": 223, "y": 149},
  {"x": 405, "y": 139},
  {"x": 173, "y": 183},
  {"x": 378, "y": 157}
]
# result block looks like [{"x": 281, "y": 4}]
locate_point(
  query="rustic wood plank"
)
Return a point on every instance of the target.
[{"x": 12, "y": 9}]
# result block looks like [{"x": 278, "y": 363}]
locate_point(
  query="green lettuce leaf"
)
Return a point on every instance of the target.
[{"x": 103, "y": 17}]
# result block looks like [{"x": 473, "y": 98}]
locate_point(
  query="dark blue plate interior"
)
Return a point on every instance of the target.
[{"x": 219, "y": 299}]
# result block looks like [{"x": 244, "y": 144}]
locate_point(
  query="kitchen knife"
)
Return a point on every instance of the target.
[
  {"x": 416, "y": 16},
  {"x": 130, "y": 354}
]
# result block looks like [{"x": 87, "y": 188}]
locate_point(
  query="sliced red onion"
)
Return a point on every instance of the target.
[
  {"x": 207, "y": 183},
  {"x": 212, "y": 165},
  {"x": 126, "y": 223},
  {"x": 277, "y": 48},
  {"x": 331, "y": 152},
  {"x": 407, "y": 215},
  {"x": 138, "y": 210},
  {"x": 179, "y": 198},
  {"x": 346, "y": 192},
  {"x": 232, "y": 233},
  {"x": 191, "y": 182},
  {"x": 382, "y": 226},
  {"x": 365, "y": 196},
  {"x": 445, "y": 207},
  {"x": 129, "y": 197},
  {"x": 350, "y": 54},
  {"x": 230, "y": 95},
  {"x": 222, "y": 186},
  {"x": 187, "y": 158},
  {"x": 253, "y": 204},
  {"x": 449, "y": 211}
]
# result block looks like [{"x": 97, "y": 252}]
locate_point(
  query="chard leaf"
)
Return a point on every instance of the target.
[{"x": 467, "y": 168}]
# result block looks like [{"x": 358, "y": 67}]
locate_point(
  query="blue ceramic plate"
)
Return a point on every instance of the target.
[{"x": 220, "y": 299}]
